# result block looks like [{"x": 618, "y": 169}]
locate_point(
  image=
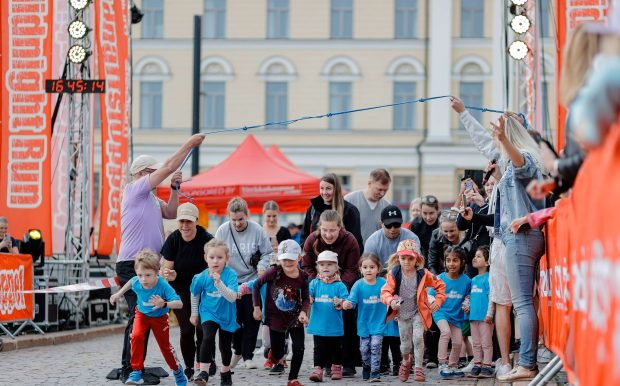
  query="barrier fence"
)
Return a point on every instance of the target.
[{"x": 580, "y": 274}]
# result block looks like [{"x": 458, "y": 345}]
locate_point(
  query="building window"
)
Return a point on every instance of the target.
[
  {"x": 342, "y": 19},
  {"x": 340, "y": 100},
  {"x": 404, "y": 115},
  {"x": 471, "y": 95},
  {"x": 404, "y": 190},
  {"x": 215, "y": 19},
  {"x": 543, "y": 18},
  {"x": 472, "y": 18},
  {"x": 150, "y": 104},
  {"x": 345, "y": 181},
  {"x": 276, "y": 106},
  {"x": 153, "y": 21},
  {"x": 213, "y": 105},
  {"x": 405, "y": 16},
  {"x": 277, "y": 19}
]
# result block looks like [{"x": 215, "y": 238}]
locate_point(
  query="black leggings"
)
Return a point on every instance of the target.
[
  {"x": 189, "y": 347},
  {"x": 431, "y": 342},
  {"x": 277, "y": 348},
  {"x": 351, "y": 342},
  {"x": 327, "y": 350},
  {"x": 390, "y": 343},
  {"x": 244, "y": 341},
  {"x": 207, "y": 348}
]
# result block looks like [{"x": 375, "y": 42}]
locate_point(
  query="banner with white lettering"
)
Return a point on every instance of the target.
[
  {"x": 16, "y": 282},
  {"x": 25, "y": 121},
  {"x": 112, "y": 23}
]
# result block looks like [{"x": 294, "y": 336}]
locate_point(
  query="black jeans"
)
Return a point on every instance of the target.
[
  {"x": 277, "y": 348},
  {"x": 390, "y": 343},
  {"x": 125, "y": 271},
  {"x": 431, "y": 342},
  {"x": 190, "y": 346},
  {"x": 327, "y": 350},
  {"x": 244, "y": 339},
  {"x": 207, "y": 348},
  {"x": 351, "y": 343}
]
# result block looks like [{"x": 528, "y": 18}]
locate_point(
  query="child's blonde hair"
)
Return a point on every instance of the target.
[
  {"x": 147, "y": 259},
  {"x": 217, "y": 243},
  {"x": 406, "y": 247}
]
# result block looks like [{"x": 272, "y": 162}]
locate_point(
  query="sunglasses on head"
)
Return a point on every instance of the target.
[
  {"x": 429, "y": 200},
  {"x": 393, "y": 225}
]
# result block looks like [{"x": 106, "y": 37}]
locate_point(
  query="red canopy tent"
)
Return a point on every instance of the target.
[
  {"x": 250, "y": 172},
  {"x": 275, "y": 152}
]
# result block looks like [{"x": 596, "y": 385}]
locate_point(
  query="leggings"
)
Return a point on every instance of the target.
[
  {"x": 390, "y": 343},
  {"x": 207, "y": 348},
  {"x": 245, "y": 337},
  {"x": 277, "y": 348},
  {"x": 190, "y": 347},
  {"x": 449, "y": 332},
  {"x": 327, "y": 350},
  {"x": 412, "y": 338},
  {"x": 482, "y": 340}
]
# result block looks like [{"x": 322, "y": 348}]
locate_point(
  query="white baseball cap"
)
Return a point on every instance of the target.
[
  {"x": 187, "y": 211},
  {"x": 327, "y": 256},
  {"x": 289, "y": 250},
  {"x": 143, "y": 162}
]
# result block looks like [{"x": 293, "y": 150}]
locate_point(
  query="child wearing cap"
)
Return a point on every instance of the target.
[
  {"x": 327, "y": 293},
  {"x": 405, "y": 294},
  {"x": 285, "y": 306}
]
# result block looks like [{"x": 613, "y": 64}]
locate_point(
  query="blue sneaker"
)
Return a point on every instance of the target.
[
  {"x": 375, "y": 376},
  {"x": 446, "y": 371},
  {"x": 179, "y": 377},
  {"x": 135, "y": 378},
  {"x": 457, "y": 373}
]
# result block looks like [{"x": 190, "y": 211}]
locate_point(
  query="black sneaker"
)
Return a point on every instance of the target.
[
  {"x": 516, "y": 346},
  {"x": 189, "y": 373},
  {"x": 277, "y": 369},
  {"x": 202, "y": 378},
  {"x": 212, "y": 369},
  {"x": 226, "y": 378},
  {"x": 385, "y": 369},
  {"x": 348, "y": 372},
  {"x": 475, "y": 371},
  {"x": 395, "y": 370},
  {"x": 463, "y": 362},
  {"x": 365, "y": 372}
]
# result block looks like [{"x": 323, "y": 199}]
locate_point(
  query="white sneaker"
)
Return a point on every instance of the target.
[
  {"x": 249, "y": 364},
  {"x": 502, "y": 369},
  {"x": 235, "y": 359},
  {"x": 467, "y": 369}
]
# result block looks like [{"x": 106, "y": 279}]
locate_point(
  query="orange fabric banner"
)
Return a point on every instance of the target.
[
  {"x": 16, "y": 277},
  {"x": 112, "y": 23},
  {"x": 581, "y": 303},
  {"x": 25, "y": 174}
]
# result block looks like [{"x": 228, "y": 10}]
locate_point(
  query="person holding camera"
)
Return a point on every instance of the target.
[
  {"x": 7, "y": 244},
  {"x": 250, "y": 250}
]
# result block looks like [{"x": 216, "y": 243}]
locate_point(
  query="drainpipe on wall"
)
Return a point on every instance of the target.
[{"x": 418, "y": 147}]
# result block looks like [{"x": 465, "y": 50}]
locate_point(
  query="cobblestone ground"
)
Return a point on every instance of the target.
[{"x": 87, "y": 363}]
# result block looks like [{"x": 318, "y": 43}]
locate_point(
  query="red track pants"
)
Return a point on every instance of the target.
[{"x": 161, "y": 330}]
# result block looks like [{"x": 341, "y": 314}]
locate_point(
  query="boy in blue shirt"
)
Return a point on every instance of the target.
[{"x": 155, "y": 297}]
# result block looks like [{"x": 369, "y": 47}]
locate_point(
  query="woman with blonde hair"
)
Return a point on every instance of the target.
[{"x": 270, "y": 222}]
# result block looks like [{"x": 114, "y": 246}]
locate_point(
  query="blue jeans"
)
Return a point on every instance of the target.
[
  {"x": 522, "y": 252},
  {"x": 370, "y": 348}
]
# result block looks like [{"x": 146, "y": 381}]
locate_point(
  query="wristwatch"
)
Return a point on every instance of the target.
[{"x": 165, "y": 304}]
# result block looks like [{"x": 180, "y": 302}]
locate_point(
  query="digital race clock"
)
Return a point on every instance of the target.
[{"x": 75, "y": 86}]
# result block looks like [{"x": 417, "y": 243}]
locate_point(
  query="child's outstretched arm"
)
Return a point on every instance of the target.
[
  {"x": 114, "y": 298},
  {"x": 440, "y": 292},
  {"x": 388, "y": 289},
  {"x": 195, "y": 301}
]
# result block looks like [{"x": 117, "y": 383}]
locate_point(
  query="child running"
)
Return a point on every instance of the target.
[
  {"x": 450, "y": 316},
  {"x": 481, "y": 316},
  {"x": 365, "y": 295},
  {"x": 286, "y": 307},
  {"x": 213, "y": 295},
  {"x": 326, "y": 324},
  {"x": 155, "y": 297},
  {"x": 406, "y": 294}
]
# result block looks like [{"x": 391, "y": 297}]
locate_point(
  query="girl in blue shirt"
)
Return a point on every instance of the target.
[
  {"x": 213, "y": 294},
  {"x": 327, "y": 293},
  {"x": 371, "y": 313},
  {"x": 451, "y": 314},
  {"x": 481, "y": 312}
]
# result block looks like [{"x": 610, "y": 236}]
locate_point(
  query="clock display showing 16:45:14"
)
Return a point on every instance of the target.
[{"x": 75, "y": 86}]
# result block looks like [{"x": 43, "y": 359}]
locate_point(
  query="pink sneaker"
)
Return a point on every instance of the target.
[
  {"x": 336, "y": 372},
  {"x": 317, "y": 374},
  {"x": 404, "y": 370}
]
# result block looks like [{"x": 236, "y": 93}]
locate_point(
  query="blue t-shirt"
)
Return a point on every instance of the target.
[
  {"x": 391, "y": 328},
  {"x": 371, "y": 312},
  {"x": 325, "y": 320},
  {"x": 162, "y": 288},
  {"x": 213, "y": 306},
  {"x": 456, "y": 290},
  {"x": 479, "y": 298}
]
